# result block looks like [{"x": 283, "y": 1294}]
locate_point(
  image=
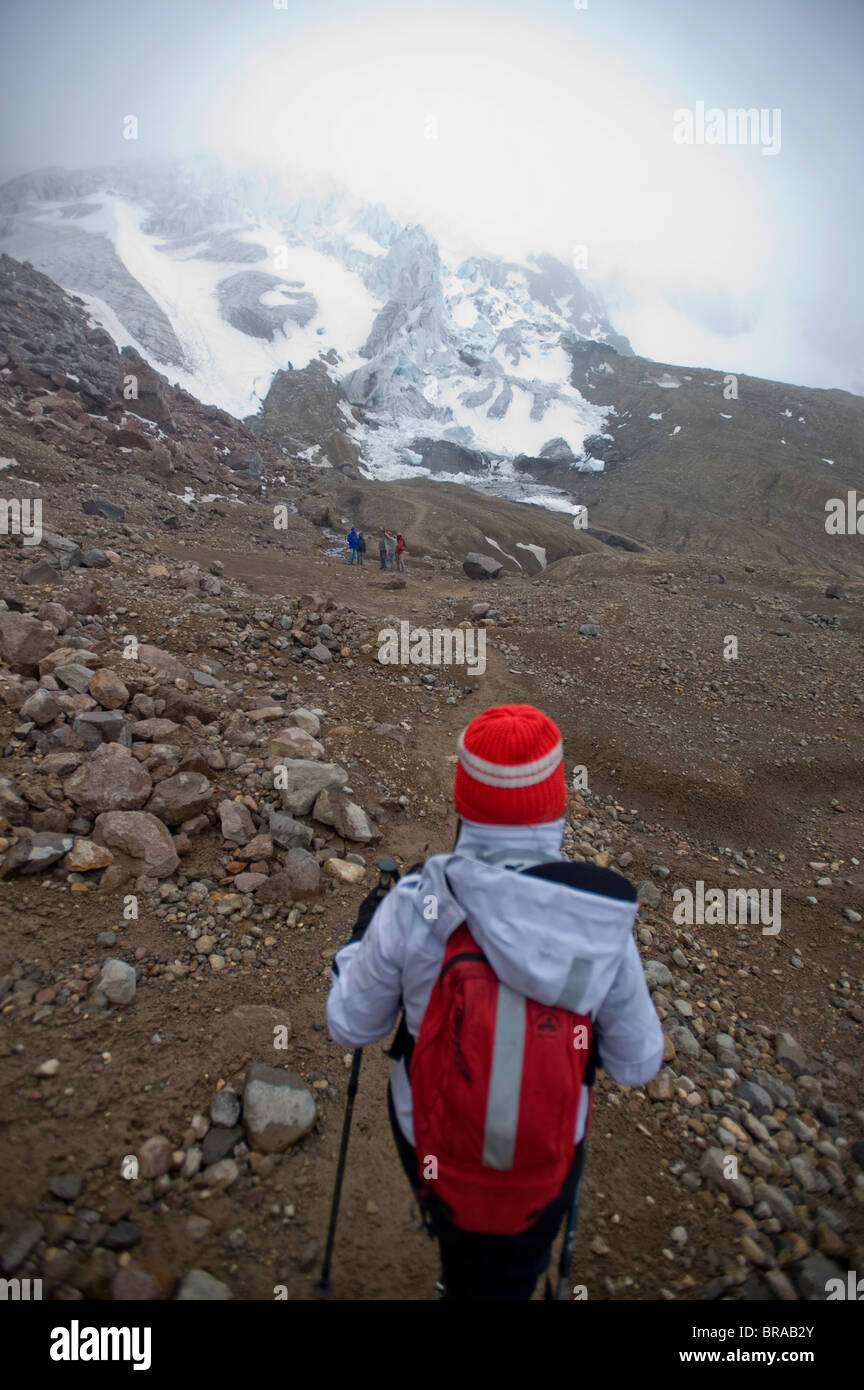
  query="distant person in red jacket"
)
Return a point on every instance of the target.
[{"x": 400, "y": 550}]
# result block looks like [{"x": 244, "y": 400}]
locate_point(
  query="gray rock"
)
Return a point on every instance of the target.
[
  {"x": 813, "y": 1275},
  {"x": 782, "y": 1094},
  {"x": 24, "y": 642},
  {"x": 478, "y": 566},
  {"x": 66, "y": 1187},
  {"x": 756, "y": 1097},
  {"x": 117, "y": 981},
  {"x": 199, "y": 1286},
  {"x": 278, "y": 1108},
  {"x": 807, "y": 1177},
  {"x": 286, "y": 832},
  {"x": 790, "y": 1054},
  {"x": 236, "y": 821},
  {"x": 737, "y": 1189},
  {"x": 303, "y": 781},
  {"x": 180, "y": 798},
  {"x": 685, "y": 1043},
  {"x": 220, "y": 1143},
  {"x": 74, "y": 675},
  {"x": 41, "y": 571},
  {"x": 36, "y": 853},
  {"x": 101, "y": 506},
  {"x": 656, "y": 973},
  {"x": 19, "y": 1238},
  {"x": 306, "y": 720},
  {"x": 63, "y": 553},
  {"x": 333, "y": 807},
  {"x": 112, "y": 780},
  {"x": 41, "y": 707},
  {"x": 102, "y": 726},
  {"x": 648, "y": 893},
  {"x": 225, "y": 1108},
  {"x": 139, "y": 840},
  {"x": 778, "y": 1202}
]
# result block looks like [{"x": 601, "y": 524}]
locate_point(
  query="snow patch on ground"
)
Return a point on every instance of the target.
[
  {"x": 501, "y": 550},
  {"x": 538, "y": 551}
]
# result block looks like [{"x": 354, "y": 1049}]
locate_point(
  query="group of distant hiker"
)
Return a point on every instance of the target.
[{"x": 391, "y": 548}]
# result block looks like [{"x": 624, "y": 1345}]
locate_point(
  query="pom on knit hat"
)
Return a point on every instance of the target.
[{"x": 510, "y": 769}]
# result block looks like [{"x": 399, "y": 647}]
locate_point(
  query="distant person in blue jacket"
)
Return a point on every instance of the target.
[{"x": 353, "y": 545}]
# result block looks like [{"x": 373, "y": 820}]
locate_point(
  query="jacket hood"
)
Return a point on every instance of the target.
[{"x": 545, "y": 940}]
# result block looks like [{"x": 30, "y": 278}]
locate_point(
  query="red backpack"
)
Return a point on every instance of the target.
[{"x": 496, "y": 1081}]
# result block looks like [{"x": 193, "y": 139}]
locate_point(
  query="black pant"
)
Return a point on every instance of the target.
[{"x": 486, "y": 1268}]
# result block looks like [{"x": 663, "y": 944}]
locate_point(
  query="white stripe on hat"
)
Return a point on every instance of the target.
[{"x": 512, "y": 775}]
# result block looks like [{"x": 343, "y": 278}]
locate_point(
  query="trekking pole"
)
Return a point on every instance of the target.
[
  {"x": 563, "y": 1285},
  {"x": 389, "y": 872}
]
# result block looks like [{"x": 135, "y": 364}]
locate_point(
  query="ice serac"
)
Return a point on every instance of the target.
[
  {"x": 409, "y": 337},
  {"x": 351, "y": 339}
]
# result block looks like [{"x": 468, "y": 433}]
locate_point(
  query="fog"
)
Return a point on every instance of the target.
[{"x": 513, "y": 129}]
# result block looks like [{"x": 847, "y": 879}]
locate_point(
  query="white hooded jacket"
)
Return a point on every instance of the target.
[{"x": 544, "y": 939}]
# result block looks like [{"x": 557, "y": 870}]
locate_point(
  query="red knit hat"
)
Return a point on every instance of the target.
[{"x": 511, "y": 768}]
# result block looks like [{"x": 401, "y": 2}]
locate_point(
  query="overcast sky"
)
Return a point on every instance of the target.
[{"x": 514, "y": 127}]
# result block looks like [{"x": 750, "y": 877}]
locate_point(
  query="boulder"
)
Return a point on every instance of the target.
[
  {"x": 41, "y": 571},
  {"x": 286, "y": 832},
  {"x": 303, "y": 871},
  {"x": 481, "y": 566},
  {"x": 102, "y": 726},
  {"x": 714, "y": 1168},
  {"x": 61, "y": 656},
  {"x": 180, "y": 797},
  {"x": 294, "y": 743},
  {"x": 300, "y": 782},
  {"x": 107, "y": 689},
  {"x": 333, "y": 807},
  {"x": 305, "y": 719},
  {"x": 36, "y": 853},
  {"x": 63, "y": 553},
  {"x": 112, "y": 780},
  {"x": 41, "y": 707},
  {"x": 25, "y": 642},
  {"x": 117, "y": 982},
  {"x": 101, "y": 506},
  {"x": 278, "y": 1108},
  {"x": 74, "y": 675},
  {"x": 12, "y": 806},
  {"x": 163, "y": 663},
  {"x": 86, "y": 855},
  {"x": 238, "y": 826},
  {"x": 345, "y": 871},
  {"x": 142, "y": 842}
]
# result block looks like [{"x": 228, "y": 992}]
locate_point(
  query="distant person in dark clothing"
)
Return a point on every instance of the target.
[
  {"x": 382, "y": 551},
  {"x": 391, "y": 550},
  {"x": 361, "y": 547}
]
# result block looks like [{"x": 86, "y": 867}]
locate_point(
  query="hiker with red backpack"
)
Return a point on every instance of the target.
[{"x": 516, "y": 972}]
